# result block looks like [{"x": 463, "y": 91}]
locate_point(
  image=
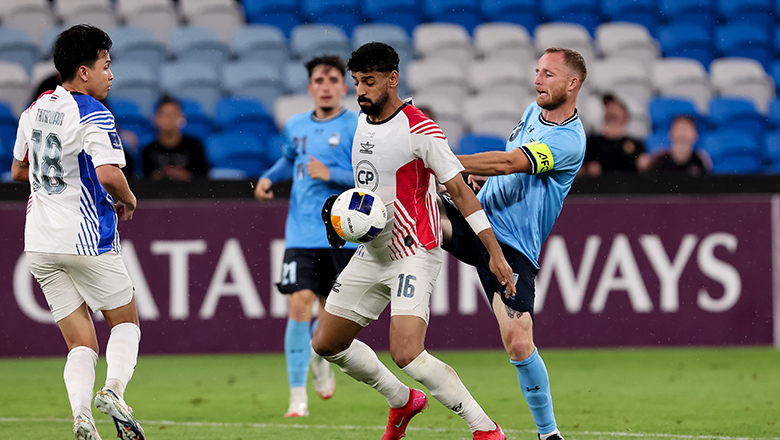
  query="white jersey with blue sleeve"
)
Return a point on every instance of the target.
[
  {"x": 65, "y": 136},
  {"x": 522, "y": 208},
  {"x": 330, "y": 142}
]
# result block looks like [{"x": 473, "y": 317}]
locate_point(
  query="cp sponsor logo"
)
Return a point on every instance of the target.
[{"x": 366, "y": 175}]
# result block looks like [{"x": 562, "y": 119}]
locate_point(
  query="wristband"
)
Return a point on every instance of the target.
[{"x": 478, "y": 221}]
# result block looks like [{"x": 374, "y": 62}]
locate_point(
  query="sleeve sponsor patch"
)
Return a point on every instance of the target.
[
  {"x": 541, "y": 155},
  {"x": 116, "y": 143}
]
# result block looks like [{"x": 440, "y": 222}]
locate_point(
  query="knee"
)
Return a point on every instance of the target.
[
  {"x": 324, "y": 348},
  {"x": 519, "y": 346},
  {"x": 402, "y": 358}
]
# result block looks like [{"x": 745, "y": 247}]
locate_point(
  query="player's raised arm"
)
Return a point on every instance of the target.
[
  {"x": 468, "y": 204},
  {"x": 496, "y": 163}
]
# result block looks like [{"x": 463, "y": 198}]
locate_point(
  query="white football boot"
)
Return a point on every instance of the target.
[{"x": 110, "y": 404}]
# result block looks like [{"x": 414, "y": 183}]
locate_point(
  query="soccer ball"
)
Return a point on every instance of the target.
[{"x": 358, "y": 215}]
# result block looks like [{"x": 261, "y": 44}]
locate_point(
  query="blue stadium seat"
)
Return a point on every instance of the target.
[
  {"x": 774, "y": 71},
  {"x": 192, "y": 79},
  {"x": 758, "y": 13},
  {"x": 744, "y": 40},
  {"x": 244, "y": 115},
  {"x": 663, "y": 110},
  {"x": 310, "y": 40},
  {"x": 698, "y": 12},
  {"x": 255, "y": 79},
  {"x": 738, "y": 114},
  {"x": 644, "y": 12},
  {"x": 17, "y": 46},
  {"x": 198, "y": 44},
  {"x": 285, "y": 14},
  {"x": 238, "y": 151},
  {"x": 686, "y": 40},
  {"x": 404, "y": 13},
  {"x": 199, "y": 124},
  {"x": 774, "y": 114},
  {"x": 136, "y": 81},
  {"x": 391, "y": 34},
  {"x": 8, "y": 126},
  {"x": 296, "y": 78},
  {"x": 733, "y": 152},
  {"x": 138, "y": 45},
  {"x": 343, "y": 13},
  {"x": 466, "y": 13},
  {"x": 261, "y": 42},
  {"x": 772, "y": 151},
  {"x": 526, "y": 13},
  {"x": 49, "y": 37},
  {"x": 474, "y": 143},
  {"x": 129, "y": 117},
  {"x": 656, "y": 142},
  {"x": 583, "y": 12},
  {"x": 776, "y": 40}
]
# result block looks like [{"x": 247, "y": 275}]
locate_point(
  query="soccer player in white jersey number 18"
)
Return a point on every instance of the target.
[
  {"x": 68, "y": 149},
  {"x": 399, "y": 153}
]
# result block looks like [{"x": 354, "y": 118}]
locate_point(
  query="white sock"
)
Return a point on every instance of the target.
[
  {"x": 79, "y": 375},
  {"x": 445, "y": 385},
  {"x": 298, "y": 395},
  {"x": 121, "y": 356},
  {"x": 360, "y": 363}
]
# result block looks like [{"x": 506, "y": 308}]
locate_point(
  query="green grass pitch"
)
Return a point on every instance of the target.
[{"x": 690, "y": 394}]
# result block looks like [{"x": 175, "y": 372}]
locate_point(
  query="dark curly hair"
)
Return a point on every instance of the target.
[
  {"x": 326, "y": 60},
  {"x": 379, "y": 57},
  {"x": 79, "y": 46}
]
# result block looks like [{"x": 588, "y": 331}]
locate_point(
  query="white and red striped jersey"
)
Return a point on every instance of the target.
[
  {"x": 65, "y": 136},
  {"x": 400, "y": 159}
]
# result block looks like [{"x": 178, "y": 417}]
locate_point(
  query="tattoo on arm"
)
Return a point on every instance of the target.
[{"x": 512, "y": 313}]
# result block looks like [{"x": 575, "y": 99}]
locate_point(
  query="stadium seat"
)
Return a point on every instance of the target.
[
  {"x": 774, "y": 114},
  {"x": 159, "y": 16},
  {"x": 244, "y": 115},
  {"x": 656, "y": 142},
  {"x": 465, "y": 13},
  {"x": 639, "y": 126},
  {"x": 573, "y": 36},
  {"x": 744, "y": 40},
  {"x": 404, "y": 13},
  {"x": 733, "y": 152},
  {"x": 448, "y": 114},
  {"x": 494, "y": 115},
  {"x": 16, "y": 46},
  {"x": 138, "y": 45},
  {"x": 98, "y": 13},
  {"x": 697, "y": 12},
  {"x": 775, "y": 73},
  {"x": 391, "y": 34},
  {"x": 643, "y": 12},
  {"x": 627, "y": 40},
  {"x": 199, "y": 124},
  {"x": 743, "y": 77},
  {"x": 129, "y": 117},
  {"x": 198, "y": 44},
  {"x": 772, "y": 151},
  {"x": 757, "y": 13},
  {"x": 739, "y": 114},
  {"x": 504, "y": 41},
  {"x": 525, "y": 13},
  {"x": 688, "y": 41},
  {"x": 443, "y": 40},
  {"x": 238, "y": 151},
  {"x": 663, "y": 110},
  {"x": 192, "y": 79},
  {"x": 479, "y": 143},
  {"x": 48, "y": 39},
  {"x": 32, "y": 16},
  {"x": 501, "y": 77},
  {"x": 684, "y": 77},
  {"x": 8, "y": 125},
  {"x": 261, "y": 42},
  {"x": 222, "y": 16},
  {"x": 14, "y": 86},
  {"x": 255, "y": 79},
  {"x": 582, "y": 12},
  {"x": 42, "y": 71},
  {"x": 590, "y": 108},
  {"x": 625, "y": 77},
  {"x": 291, "y": 105},
  {"x": 296, "y": 78},
  {"x": 345, "y": 14},
  {"x": 437, "y": 76},
  {"x": 135, "y": 81},
  {"x": 285, "y": 14},
  {"x": 310, "y": 40}
]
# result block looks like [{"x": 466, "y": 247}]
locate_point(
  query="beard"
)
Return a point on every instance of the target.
[
  {"x": 554, "y": 102},
  {"x": 373, "y": 108}
]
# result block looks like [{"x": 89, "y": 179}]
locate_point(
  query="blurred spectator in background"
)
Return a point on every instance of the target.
[
  {"x": 613, "y": 150},
  {"x": 681, "y": 157},
  {"x": 173, "y": 156}
]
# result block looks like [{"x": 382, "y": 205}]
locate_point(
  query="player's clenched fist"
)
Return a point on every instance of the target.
[{"x": 263, "y": 190}]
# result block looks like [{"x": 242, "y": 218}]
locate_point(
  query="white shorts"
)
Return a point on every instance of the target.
[
  {"x": 68, "y": 281},
  {"x": 366, "y": 285}
]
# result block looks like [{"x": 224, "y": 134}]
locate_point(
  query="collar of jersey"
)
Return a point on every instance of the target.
[
  {"x": 316, "y": 119},
  {"x": 553, "y": 124},
  {"x": 390, "y": 117}
]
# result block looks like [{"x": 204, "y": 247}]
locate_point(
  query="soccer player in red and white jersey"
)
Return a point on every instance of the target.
[
  {"x": 68, "y": 149},
  {"x": 399, "y": 153}
]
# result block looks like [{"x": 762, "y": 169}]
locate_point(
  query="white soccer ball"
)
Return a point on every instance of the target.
[{"x": 358, "y": 215}]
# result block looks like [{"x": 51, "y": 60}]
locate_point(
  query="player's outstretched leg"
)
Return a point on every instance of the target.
[
  {"x": 446, "y": 387},
  {"x": 79, "y": 376},
  {"x": 297, "y": 350},
  {"x": 535, "y": 384},
  {"x": 324, "y": 379}
]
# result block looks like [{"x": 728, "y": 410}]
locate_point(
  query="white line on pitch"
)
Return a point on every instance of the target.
[{"x": 571, "y": 434}]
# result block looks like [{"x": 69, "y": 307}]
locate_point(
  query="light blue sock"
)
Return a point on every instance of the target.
[
  {"x": 535, "y": 384},
  {"x": 314, "y": 326},
  {"x": 297, "y": 352}
]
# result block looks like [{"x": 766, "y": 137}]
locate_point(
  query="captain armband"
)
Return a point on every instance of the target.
[
  {"x": 540, "y": 156},
  {"x": 478, "y": 221}
]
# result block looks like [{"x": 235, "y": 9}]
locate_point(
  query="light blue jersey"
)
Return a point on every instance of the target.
[
  {"x": 330, "y": 142},
  {"x": 522, "y": 208}
]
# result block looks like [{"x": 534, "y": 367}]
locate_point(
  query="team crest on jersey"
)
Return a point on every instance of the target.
[
  {"x": 115, "y": 141},
  {"x": 366, "y": 175},
  {"x": 334, "y": 139},
  {"x": 366, "y": 147}
]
